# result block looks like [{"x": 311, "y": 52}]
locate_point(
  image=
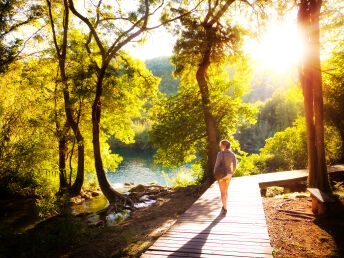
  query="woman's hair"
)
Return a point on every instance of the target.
[{"x": 225, "y": 143}]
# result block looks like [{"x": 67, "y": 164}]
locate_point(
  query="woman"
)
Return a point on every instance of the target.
[{"x": 227, "y": 159}]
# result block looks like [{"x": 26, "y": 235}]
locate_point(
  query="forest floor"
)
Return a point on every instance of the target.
[
  {"x": 303, "y": 235},
  {"x": 72, "y": 236}
]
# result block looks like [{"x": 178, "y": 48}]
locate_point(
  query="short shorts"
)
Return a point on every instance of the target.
[{"x": 226, "y": 178}]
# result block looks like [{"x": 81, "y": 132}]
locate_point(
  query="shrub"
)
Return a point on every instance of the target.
[{"x": 185, "y": 176}]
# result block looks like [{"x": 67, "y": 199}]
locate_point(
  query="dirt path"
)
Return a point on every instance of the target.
[{"x": 303, "y": 236}]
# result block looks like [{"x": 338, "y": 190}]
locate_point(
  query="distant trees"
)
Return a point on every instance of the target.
[
  {"x": 162, "y": 68},
  {"x": 334, "y": 91},
  {"x": 275, "y": 114}
]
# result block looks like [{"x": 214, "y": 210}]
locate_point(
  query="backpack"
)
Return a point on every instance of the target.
[{"x": 220, "y": 171}]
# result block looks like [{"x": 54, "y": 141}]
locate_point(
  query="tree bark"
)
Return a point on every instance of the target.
[
  {"x": 62, "y": 163},
  {"x": 311, "y": 81},
  {"x": 208, "y": 116}
]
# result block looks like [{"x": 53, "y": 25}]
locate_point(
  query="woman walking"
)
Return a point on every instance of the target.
[{"x": 226, "y": 161}]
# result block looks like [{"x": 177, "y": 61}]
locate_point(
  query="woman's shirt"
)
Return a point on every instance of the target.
[{"x": 229, "y": 159}]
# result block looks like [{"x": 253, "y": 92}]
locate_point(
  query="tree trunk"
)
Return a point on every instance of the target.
[
  {"x": 310, "y": 78},
  {"x": 208, "y": 116},
  {"x": 114, "y": 197},
  {"x": 79, "y": 179},
  {"x": 61, "y": 55},
  {"x": 62, "y": 163}
]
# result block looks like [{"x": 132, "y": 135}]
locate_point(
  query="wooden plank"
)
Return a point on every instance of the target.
[
  {"x": 220, "y": 249},
  {"x": 206, "y": 253},
  {"x": 205, "y": 244},
  {"x": 231, "y": 241},
  {"x": 159, "y": 253},
  {"x": 319, "y": 195}
]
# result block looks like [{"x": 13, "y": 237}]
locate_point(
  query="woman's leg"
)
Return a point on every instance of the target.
[
  {"x": 226, "y": 184},
  {"x": 223, "y": 190}
]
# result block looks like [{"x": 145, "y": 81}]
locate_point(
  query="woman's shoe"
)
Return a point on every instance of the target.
[{"x": 223, "y": 211}]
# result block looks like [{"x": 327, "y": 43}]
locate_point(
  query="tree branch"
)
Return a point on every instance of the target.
[{"x": 90, "y": 26}]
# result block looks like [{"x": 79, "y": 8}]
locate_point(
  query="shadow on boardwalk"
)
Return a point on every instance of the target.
[{"x": 196, "y": 244}]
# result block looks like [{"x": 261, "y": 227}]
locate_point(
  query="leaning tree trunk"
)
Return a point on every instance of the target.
[
  {"x": 208, "y": 116},
  {"x": 310, "y": 78},
  {"x": 115, "y": 198}
]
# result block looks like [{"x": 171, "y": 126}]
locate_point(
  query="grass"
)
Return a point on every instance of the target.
[{"x": 292, "y": 195}]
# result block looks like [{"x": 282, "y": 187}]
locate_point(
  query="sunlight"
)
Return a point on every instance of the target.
[{"x": 279, "y": 49}]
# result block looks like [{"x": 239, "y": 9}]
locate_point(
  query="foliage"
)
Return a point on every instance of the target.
[
  {"x": 178, "y": 129},
  {"x": 287, "y": 150},
  {"x": 26, "y": 153},
  {"x": 14, "y": 14},
  {"x": 334, "y": 90},
  {"x": 162, "y": 68},
  {"x": 184, "y": 177},
  {"x": 275, "y": 115},
  {"x": 32, "y": 107}
]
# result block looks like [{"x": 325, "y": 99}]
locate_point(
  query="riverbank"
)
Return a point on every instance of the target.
[{"x": 73, "y": 236}]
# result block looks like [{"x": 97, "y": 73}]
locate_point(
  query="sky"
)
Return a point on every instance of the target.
[
  {"x": 278, "y": 48},
  {"x": 158, "y": 43}
]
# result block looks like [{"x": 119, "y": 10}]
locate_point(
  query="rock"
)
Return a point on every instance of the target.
[
  {"x": 274, "y": 190},
  {"x": 138, "y": 188},
  {"x": 128, "y": 183},
  {"x": 95, "y": 193},
  {"x": 77, "y": 199}
]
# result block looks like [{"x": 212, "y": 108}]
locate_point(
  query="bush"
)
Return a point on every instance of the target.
[
  {"x": 287, "y": 150},
  {"x": 185, "y": 176}
]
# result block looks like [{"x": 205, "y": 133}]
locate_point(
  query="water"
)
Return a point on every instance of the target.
[{"x": 138, "y": 167}]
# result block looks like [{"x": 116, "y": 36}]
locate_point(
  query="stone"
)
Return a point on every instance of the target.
[
  {"x": 274, "y": 190},
  {"x": 138, "y": 188}
]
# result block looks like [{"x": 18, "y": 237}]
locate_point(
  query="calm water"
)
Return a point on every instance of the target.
[{"x": 138, "y": 167}]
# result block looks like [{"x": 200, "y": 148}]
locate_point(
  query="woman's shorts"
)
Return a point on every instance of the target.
[{"x": 226, "y": 178}]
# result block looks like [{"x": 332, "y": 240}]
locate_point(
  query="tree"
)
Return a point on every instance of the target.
[
  {"x": 178, "y": 128},
  {"x": 204, "y": 39},
  {"x": 106, "y": 50},
  {"x": 311, "y": 82},
  {"x": 72, "y": 117}
]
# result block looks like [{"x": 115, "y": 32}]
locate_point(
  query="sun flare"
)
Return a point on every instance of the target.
[{"x": 279, "y": 49}]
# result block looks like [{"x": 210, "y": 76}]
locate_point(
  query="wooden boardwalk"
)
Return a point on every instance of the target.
[
  {"x": 290, "y": 177},
  {"x": 203, "y": 232}
]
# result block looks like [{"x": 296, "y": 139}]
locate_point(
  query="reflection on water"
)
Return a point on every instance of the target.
[
  {"x": 138, "y": 167},
  {"x": 95, "y": 204}
]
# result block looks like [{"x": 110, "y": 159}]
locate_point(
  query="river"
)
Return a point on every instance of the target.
[{"x": 138, "y": 167}]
